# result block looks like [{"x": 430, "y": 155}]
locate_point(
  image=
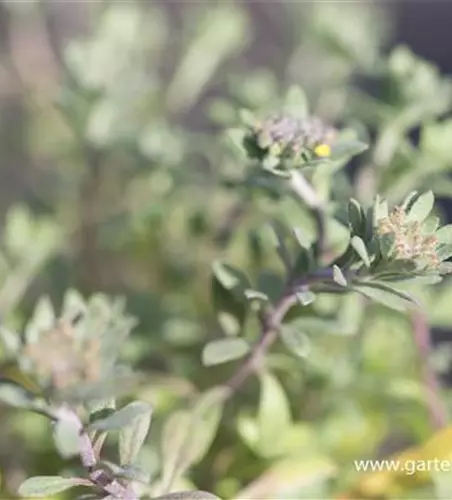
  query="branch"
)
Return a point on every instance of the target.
[
  {"x": 270, "y": 327},
  {"x": 89, "y": 461},
  {"x": 437, "y": 409},
  {"x": 271, "y": 321}
]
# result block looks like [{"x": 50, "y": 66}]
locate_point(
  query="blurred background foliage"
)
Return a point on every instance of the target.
[{"x": 117, "y": 177}]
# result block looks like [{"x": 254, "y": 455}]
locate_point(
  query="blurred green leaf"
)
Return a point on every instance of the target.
[
  {"x": 66, "y": 438},
  {"x": 422, "y": 207},
  {"x": 122, "y": 418},
  {"x": 43, "y": 486},
  {"x": 132, "y": 437},
  {"x": 295, "y": 102},
  {"x": 360, "y": 248},
  {"x": 338, "y": 276},
  {"x": 223, "y": 351},
  {"x": 274, "y": 414},
  {"x": 295, "y": 340},
  {"x": 444, "y": 234}
]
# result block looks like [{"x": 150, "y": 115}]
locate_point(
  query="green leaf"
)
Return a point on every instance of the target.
[
  {"x": 295, "y": 102},
  {"x": 101, "y": 409},
  {"x": 346, "y": 149},
  {"x": 360, "y": 248},
  {"x": 228, "y": 294},
  {"x": 295, "y": 340},
  {"x": 271, "y": 284},
  {"x": 16, "y": 395},
  {"x": 247, "y": 118},
  {"x": 187, "y": 436},
  {"x": 303, "y": 263},
  {"x": 236, "y": 137},
  {"x": 409, "y": 200},
  {"x": 274, "y": 416},
  {"x": 444, "y": 234},
  {"x": 223, "y": 351},
  {"x": 66, "y": 438},
  {"x": 444, "y": 251},
  {"x": 188, "y": 495},
  {"x": 338, "y": 276},
  {"x": 132, "y": 437},
  {"x": 256, "y": 296},
  {"x": 430, "y": 225},
  {"x": 356, "y": 217},
  {"x": 11, "y": 341},
  {"x": 43, "y": 319},
  {"x": 445, "y": 268},
  {"x": 44, "y": 486},
  {"x": 385, "y": 295},
  {"x": 230, "y": 277},
  {"x": 305, "y": 297},
  {"x": 422, "y": 207},
  {"x": 121, "y": 418},
  {"x": 280, "y": 235},
  {"x": 380, "y": 210}
]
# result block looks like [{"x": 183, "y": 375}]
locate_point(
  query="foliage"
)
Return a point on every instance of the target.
[{"x": 275, "y": 240}]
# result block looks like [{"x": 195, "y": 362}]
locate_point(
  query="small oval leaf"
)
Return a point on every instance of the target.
[
  {"x": 224, "y": 350},
  {"x": 295, "y": 340},
  {"x": 121, "y": 418},
  {"x": 43, "y": 486}
]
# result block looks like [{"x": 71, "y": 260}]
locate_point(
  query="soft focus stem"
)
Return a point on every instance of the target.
[{"x": 436, "y": 407}]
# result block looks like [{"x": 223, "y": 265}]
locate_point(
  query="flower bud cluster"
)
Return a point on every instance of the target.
[
  {"x": 290, "y": 136},
  {"x": 410, "y": 243}
]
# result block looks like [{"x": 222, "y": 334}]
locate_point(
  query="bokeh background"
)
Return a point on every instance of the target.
[{"x": 112, "y": 179}]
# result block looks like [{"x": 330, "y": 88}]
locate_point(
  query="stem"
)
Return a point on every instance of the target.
[
  {"x": 271, "y": 321},
  {"x": 307, "y": 194},
  {"x": 270, "y": 326},
  {"x": 436, "y": 407},
  {"x": 89, "y": 460}
]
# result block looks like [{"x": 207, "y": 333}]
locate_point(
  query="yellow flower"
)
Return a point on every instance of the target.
[{"x": 322, "y": 150}]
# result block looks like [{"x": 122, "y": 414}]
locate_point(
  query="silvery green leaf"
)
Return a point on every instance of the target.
[
  {"x": 338, "y": 276},
  {"x": 247, "y": 118},
  {"x": 274, "y": 416},
  {"x": 356, "y": 217},
  {"x": 224, "y": 350},
  {"x": 380, "y": 209},
  {"x": 44, "y": 486},
  {"x": 255, "y": 295},
  {"x": 230, "y": 277},
  {"x": 132, "y": 437},
  {"x": 386, "y": 295},
  {"x": 445, "y": 268},
  {"x": 187, "y": 435},
  {"x": 444, "y": 251},
  {"x": 10, "y": 341},
  {"x": 295, "y": 340},
  {"x": 295, "y": 102},
  {"x": 305, "y": 297},
  {"x": 421, "y": 207},
  {"x": 346, "y": 149},
  {"x": 444, "y": 234},
  {"x": 409, "y": 200},
  {"x": 188, "y": 495},
  {"x": 121, "y": 418},
  {"x": 66, "y": 438},
  {"x": 430, "y": 225},
  {"x": 360, "y": 248},
  {"x": 43, "y": 319},
  {"x": 101, "y": 408}
]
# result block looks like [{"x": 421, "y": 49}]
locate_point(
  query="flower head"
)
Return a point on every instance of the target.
[
  {"x": 286, "y": 136},
  {"x": 410, "y": 243},
  {"x": 62, "y": 359}
]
